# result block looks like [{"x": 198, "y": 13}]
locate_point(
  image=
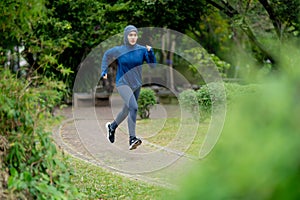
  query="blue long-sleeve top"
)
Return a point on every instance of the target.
[{"x": 130, "y": 60}]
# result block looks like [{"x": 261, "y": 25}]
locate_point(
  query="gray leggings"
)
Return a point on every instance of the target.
[{"x": 129, "y": 109}]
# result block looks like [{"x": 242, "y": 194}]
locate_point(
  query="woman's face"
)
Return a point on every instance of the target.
[{"x": 132, "y": 38}]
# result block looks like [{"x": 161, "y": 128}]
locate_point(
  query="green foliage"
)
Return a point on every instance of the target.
[
  {"x": 146, "y": 100},
  {"x": 30, "y": 26},
  {"x": 235, "y": 91},
  {"x": 170, "y": 14},
  {"x": 213, "y": 32},
  {"x": 31, "y": 157},
  {"x": 57, "y": 35},
  {"x": 188, "y": 100},
  {"x": 50, "y": 92},
  {"x": 17, "y": 19},
  {"x": 205, "y": 60},
  {"x": 210, "y": 95},
  {"x": 257, "y": 155},
  {"x": 201, "y": 101},
  {"x": 267, "y": 124},
  {"x": 255, "y": 24}
]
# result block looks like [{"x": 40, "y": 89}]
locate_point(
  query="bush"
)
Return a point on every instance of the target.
[
  {"x": 210, "y": 94},
  {"x": 26, "y": 149},
  {"x": 200, "y": 102},
  {"x": 188, "y": 100},
  {"x": 146, "y": 100}
]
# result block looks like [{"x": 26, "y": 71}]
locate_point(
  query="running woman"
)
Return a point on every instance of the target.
[{"x": 130, "y": 57}]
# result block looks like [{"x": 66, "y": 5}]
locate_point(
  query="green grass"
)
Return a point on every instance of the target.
[
  {"x": 198, "y": 140},
  {"x": 169, "y": 131},
  {"x": 97, "y": 183},
  {"x": 164, "y": 135}
]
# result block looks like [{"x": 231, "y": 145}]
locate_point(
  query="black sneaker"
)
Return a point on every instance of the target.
[
  {"x": 110, "y": 133},
  {"x": 134, "y": 143}
]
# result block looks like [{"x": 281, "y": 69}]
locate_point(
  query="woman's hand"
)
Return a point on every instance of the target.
[
  {"x": 148, "y": 47},
  {"x": 105, "y": 76}
]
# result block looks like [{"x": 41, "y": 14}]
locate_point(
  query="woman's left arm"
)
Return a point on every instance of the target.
[{"x": 150, "y": 56}]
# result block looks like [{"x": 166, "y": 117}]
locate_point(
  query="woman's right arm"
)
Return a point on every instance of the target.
[{"x": 109, "y": 56}]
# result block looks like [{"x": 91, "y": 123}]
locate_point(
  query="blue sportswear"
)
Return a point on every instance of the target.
[{"x": 130, "y": 60}]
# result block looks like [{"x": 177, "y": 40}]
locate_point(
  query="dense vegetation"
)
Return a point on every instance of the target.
[
  {"x": 30, "y": 166},
  {"x": 55, "y": 36}
]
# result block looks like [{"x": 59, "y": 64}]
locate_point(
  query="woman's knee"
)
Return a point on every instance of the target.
[{"x": 133, "y": 108}]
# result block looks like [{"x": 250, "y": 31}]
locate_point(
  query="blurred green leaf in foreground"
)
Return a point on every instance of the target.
[{"x": 257, "y": 155}]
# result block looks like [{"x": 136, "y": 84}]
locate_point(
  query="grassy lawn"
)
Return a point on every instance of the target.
[
  {"x": 97, "y": 183},
  {"x": 170, "y": 130}
]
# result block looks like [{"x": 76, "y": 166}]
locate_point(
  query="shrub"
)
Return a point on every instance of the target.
[
  {"x": 189, "y": 100},
  {"x": 28, "y": 152},
  {"x": 200, "y": 102},
  {"x": 146, "y": 100},
  {"x": 212, "y": 94}
]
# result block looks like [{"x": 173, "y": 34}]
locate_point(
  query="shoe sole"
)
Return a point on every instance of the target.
[
  {"x": 135, "y": 145},
  {"x": 107, "y": 131}
]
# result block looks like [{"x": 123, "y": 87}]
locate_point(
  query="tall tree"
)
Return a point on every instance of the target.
[
  {"x": 28, "y": 24},
  {"x": 17, "y": 20},
  {"x": 254, "y": 17}
]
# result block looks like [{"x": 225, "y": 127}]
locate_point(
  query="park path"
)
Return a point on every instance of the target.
[{"x": 83, "y": 135}]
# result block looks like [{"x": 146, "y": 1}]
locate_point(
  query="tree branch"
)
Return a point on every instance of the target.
[
  {"x": 227, "y": 9},
  {"x": 247, "y": 30},
  {"x": 231, "y": 12},
  {"x": 276, "y": 22}
]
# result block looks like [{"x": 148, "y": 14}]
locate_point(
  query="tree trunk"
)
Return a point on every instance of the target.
[{"x": 276, "y": 22}]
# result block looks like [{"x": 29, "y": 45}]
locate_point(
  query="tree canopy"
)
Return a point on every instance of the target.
[{"x": 57, "y": 35}]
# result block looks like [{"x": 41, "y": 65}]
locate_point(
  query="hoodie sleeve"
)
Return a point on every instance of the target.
[
  {"x": 109, "y": 56},
  {"x": 150, "y": 58}
]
